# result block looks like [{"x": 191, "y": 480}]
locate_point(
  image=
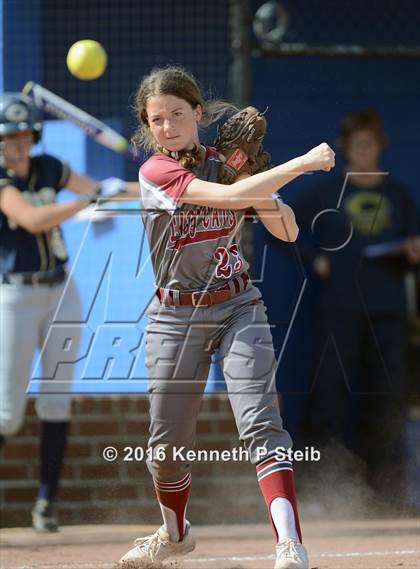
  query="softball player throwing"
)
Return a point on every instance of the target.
[
  {"x": 32, "y": 279},
  {"x": 205, "y": 302}
]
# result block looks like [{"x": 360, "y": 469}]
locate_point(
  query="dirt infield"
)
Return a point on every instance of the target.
[{"x": 374, "y": 544}]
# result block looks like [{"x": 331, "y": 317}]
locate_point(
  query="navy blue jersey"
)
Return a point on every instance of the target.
[
  {"x": 21, "y": 251},
  {"x": 385, "y": 213}
]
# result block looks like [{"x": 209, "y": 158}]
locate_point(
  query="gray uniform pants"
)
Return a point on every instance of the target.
[
  {"x": 180, "y": 342},
  {"x": 26, "y": 314}
]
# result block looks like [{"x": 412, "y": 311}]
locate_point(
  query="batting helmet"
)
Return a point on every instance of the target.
[{"x": 17, "y": 113}]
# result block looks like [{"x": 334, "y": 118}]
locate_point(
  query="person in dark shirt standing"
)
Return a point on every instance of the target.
[
  {"x": 359, "y": 235},
  {"x": 32, "y": 281}
]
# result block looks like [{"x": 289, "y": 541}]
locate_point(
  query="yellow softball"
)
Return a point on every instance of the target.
[{"x": 86, "y": 59}]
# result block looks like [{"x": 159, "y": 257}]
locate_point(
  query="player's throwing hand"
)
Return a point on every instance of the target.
[{"x": 322, "y": 157}]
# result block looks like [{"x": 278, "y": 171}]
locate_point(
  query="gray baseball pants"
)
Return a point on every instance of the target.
[
  {"x": 26, "y": 313},
  {"x": 179, "y": 345}
]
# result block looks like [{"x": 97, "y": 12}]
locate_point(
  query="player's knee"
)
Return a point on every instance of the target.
[
  {"x": 169, "y": 463},
  {"x": 262, "y": 432},
  {"x": 262, "y": 429},
  {"x": 258, "y": 420},
  {"x": 53, "y": 407},
  {"x": 10, "y": 425}
]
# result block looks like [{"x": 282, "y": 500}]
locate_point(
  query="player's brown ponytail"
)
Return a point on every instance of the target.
[{"x": 178, "y": 82}]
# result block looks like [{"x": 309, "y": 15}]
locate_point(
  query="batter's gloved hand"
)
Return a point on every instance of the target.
[
  {"x": 111, "y": 187},
  {"x": 239, "y": 142},
  {"x": 108, "y": 188}
]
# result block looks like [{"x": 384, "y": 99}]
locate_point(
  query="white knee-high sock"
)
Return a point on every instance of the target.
[
  {"x": 284, "y": 519},
  {"x": 170, "y": 521}
]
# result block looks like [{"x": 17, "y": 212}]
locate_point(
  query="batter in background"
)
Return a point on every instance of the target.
[
  {"x": 206, "y": 303},
  {"x": 359, "y": 235},
  {"x": 33, "y": 276}
]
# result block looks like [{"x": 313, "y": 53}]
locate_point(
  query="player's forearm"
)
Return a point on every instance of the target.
[
  {"x": 251, "y": 191},
  {"x": 246, "y": 192},
  {"x": 44, "y": 218},
  {"x": 81, "y": 184},
  {"x": 132, "y": 190},
  {"x": 279, "y": 219}
]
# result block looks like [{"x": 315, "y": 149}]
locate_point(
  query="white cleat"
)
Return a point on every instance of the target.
[
  {"x": 291, "y": 554},
  {"x": 157, "y": 547}
]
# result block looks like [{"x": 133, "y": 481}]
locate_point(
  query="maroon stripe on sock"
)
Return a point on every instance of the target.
[
  {"x": 266, "y": 462},
  {"x": 171, "y": 485}
]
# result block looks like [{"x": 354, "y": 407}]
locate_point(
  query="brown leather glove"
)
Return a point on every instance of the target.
[{"x": 239, "y": 142}]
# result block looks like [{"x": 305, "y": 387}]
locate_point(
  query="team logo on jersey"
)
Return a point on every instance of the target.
[
  {"x": 370, "y": 212},
  {"x": 200, "y": 224}
]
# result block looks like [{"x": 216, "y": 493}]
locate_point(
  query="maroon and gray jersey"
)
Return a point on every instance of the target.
[{"x": 192, "y": 247}]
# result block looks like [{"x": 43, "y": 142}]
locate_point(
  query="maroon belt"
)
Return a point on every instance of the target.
[{"x": 206, "y": 297}]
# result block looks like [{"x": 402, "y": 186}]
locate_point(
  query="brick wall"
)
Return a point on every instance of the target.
[{"x": 94, "y": 491}]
